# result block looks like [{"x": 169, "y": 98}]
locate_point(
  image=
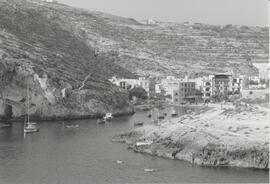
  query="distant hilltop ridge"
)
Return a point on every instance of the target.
[
  {"x": 157, "y": 48},
  {"x": 48, "y": 1}
]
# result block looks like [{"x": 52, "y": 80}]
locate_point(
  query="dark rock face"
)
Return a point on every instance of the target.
[{"x": 40, "y": 49}]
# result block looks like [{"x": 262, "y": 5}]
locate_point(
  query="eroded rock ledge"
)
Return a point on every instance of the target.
[{"x": 206, "y": 146}]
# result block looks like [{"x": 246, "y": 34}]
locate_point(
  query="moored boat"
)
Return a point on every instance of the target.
[
  {"x": 108, "y": 116},
  {"x": 29, "y": 127}
]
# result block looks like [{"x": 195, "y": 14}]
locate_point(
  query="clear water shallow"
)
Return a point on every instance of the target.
[{"x": 86, "y": 155}]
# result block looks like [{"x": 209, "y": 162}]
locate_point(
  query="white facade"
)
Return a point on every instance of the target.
[
  {"x": 237, "y": 85},
  {"x": 207, "y": 86},
  {"x": 263, "y": 70},
  {"x": 170, "y": 84}
]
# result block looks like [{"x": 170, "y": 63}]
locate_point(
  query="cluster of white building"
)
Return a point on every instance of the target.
[{"x": 189, "y": 89}]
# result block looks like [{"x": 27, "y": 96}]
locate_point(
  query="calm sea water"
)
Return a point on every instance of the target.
[{"x": 86, "y": 155}]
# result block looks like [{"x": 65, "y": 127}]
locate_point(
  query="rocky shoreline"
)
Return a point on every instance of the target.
[
  {"x": 66, "y": 118},
  {"x": 184, "y": 138}
]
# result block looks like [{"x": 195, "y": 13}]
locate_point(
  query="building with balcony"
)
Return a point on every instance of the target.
[
  {"x": 221, "y": 84},
  {"x": 237, "y": 85}
]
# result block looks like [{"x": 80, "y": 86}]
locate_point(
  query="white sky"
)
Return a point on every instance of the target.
[{"x": 243, "y": 12}]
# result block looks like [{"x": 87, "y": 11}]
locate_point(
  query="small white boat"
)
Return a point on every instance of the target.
[
  {"x": 72, "y": 126},
  {"x": 108, "y": 116},
  {"x": 119, "y": 162},
  {"x": 143, "y": 143},
  {"x": 29, "y": 127},
  {"x": 149, "y": 170}
]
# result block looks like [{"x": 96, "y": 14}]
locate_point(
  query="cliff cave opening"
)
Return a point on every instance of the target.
[{"x": 8, "y": 113}]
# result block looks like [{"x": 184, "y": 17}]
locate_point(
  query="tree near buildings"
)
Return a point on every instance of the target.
[{"x": 138, "y": 92}]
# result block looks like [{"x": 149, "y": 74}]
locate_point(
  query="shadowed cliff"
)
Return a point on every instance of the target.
[{"x": 39, "y": 47}]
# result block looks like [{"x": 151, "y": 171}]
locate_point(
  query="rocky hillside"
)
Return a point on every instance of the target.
[
  {"x": 232, "y": 136},
  {"x": 40, "y": 47},
  {"x": 67, "y": 54},
  {"x": 158, "y": 48}
]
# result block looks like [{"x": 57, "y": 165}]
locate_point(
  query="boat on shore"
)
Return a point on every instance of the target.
[{"x": 146, "y": 143}]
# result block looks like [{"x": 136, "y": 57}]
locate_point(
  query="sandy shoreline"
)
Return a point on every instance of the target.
[{"x": 228, "y": 136}]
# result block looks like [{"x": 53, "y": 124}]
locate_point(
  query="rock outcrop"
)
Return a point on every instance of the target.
[
  {"x": 66, "y": 79},
  {"x": 205, "y": 140}
]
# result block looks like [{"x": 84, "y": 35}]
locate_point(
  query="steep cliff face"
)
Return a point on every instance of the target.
[{"x": 39, "y": 49}]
